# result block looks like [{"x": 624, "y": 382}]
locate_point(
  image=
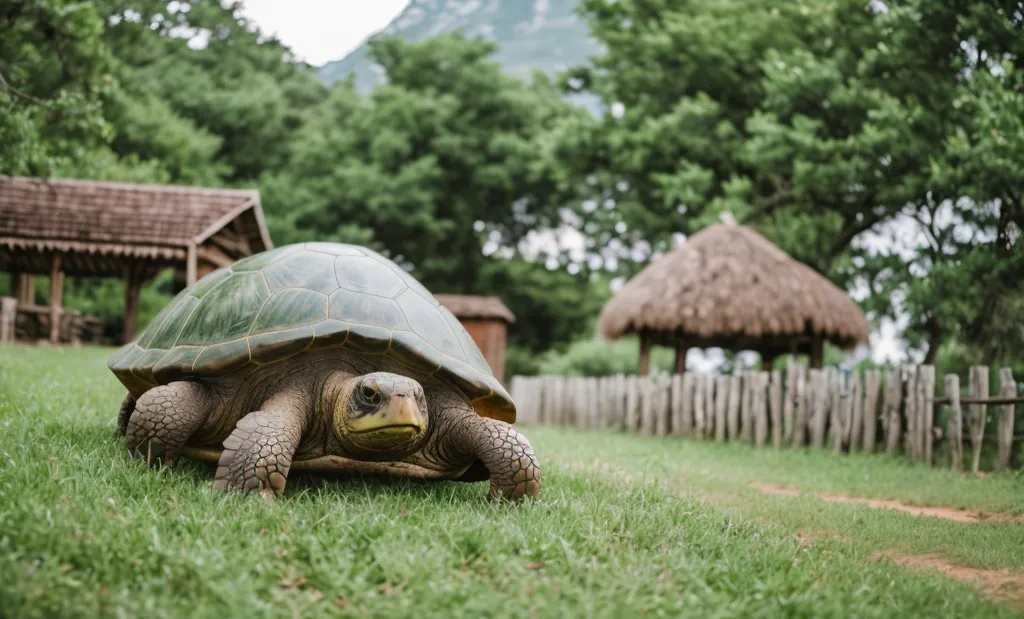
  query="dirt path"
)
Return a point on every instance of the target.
[
  {"x": 1002, "y": 585},
  {"x": 949, "y": 513}
]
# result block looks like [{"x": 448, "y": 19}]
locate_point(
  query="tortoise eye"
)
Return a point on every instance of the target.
[{"x": 369, "y": 394}]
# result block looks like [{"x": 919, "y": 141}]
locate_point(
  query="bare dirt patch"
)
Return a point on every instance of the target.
[
  {"x": 1002, "y": 585},
  {"x": 949, "y": 513}
]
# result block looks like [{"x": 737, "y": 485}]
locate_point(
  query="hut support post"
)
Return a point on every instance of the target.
[
  {"x": 681, "y": 350},
  {"x": 191, "y": 265},
  {"x": 26, "y": 287},
  {"x": 56, "y": 297},
  {"x": 817, "y": 351},
  {"x": 645, "y": 355},
  {"x": 131, "y": 302}
]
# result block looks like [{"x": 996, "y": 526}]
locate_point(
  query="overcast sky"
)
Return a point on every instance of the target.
[{"x": 319, "y": 31}]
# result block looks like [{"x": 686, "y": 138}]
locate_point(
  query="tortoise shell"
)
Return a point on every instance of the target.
[{"x": 285, "y": 301}]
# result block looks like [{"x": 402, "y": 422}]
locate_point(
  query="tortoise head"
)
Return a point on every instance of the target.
[{"x": 381, "y": 413}]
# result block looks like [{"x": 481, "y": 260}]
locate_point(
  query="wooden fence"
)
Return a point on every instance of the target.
[{"x": 823, "y": 408}]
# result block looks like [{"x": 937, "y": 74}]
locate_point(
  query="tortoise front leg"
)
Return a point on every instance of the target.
[
  {"x": 163, "y": 419},
  {"x": 258, "y": 454},
  {"x": 507, "y": 454}
]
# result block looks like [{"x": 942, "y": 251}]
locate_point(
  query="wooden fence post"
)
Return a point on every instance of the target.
[
  {"x": 775, "y": 403},
  {"x": 801, "y": 408},
  {"x": 709, "y": 406},
  {"x": 676, "y": 405},
  {"x": 955, "y": 428},
  {"x": 632, "y": 403},
  {"x": 838, "y": 408},
  {"x": 979, "y": 389},
  {"x": 910, "y": 405},
  {"x": 761, "y": 408},
  {"x": 871, "y": 380},
  {"x": 789, "y": 403},
  {"x": 689, "y": 387},
  {"x": 747, "y": 409},
  {"x": 1007, "y": 389},
  {"x": 926, "y": 411},
  {"x": 891, "y": 417},
  {"x": 721, "y": 403},
  {"x": 735, "y": 403},
  {"x": 856, "y": 427},
  {"x": 699, "y": 390},
  {"x": 821, "y": 406}
]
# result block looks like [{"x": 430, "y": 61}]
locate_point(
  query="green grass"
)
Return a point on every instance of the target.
[{"x": 85, "y": 532}]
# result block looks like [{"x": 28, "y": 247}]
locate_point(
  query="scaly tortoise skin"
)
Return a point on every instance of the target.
[{"x": 318, "y": 356}]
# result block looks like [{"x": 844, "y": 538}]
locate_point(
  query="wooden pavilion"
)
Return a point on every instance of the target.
[
  {"x": 729, "y": 287},
  {"x": 486, "y": 319},
  {"x": 102, "y": 229}
]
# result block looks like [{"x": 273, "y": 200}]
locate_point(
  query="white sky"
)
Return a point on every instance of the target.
[{"x": 319, "y": 31}]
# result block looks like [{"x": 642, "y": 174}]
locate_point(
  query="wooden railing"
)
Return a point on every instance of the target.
[{"x": 845, "y": 411}]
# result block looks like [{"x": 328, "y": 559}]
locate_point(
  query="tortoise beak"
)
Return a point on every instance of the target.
[{"x": 402, "y": 411}]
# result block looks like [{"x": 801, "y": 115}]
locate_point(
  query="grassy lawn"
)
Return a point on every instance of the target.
[{"x": 85, "y": 532}]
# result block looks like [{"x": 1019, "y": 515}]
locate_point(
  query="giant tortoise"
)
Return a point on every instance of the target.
[{"x": 318, "y": 356}]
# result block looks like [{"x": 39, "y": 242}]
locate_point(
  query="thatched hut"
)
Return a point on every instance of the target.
[{"x": 729, "y": 287}]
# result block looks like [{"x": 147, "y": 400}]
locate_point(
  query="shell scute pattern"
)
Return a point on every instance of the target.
[{"x": 282, "y": 302}]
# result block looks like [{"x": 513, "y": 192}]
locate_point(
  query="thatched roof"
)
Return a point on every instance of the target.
[
  {"x": 469, "y": 307},
  {"x": 148, "y": 222},
  {"x": 729, "y": 287}
]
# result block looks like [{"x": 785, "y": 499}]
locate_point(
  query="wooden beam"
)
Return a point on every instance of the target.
[
  {"x": 817, "y": 351},
  {"x": 214, "y": 256},
  {"x": 191, "y": 264},
  {"x": 132, "y": 284},
  {"x": 56, "y": 297},
  {"x": 242, "y": 239},
  {"x": 681, "y": 350},
  {"x": 645, "y": 354},
  {"x": 26, "y": 289}
]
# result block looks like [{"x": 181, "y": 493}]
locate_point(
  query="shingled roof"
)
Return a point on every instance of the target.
[
  {"x": 469, "y": 307},
  {"x": 156, "y": 222}
]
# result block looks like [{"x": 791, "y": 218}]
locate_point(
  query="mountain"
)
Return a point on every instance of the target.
[{"x": 543, "y": 35}]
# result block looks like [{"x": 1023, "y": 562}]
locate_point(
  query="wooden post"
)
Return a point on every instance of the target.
[
  {"x": 817, "y": 351},
  {"x": 979, "y": 389},
  {"x": 699, "y": 392},
  {"x": 956, "y": 428},
  {"x": 747, "y": 409},
  {"x": 686, "y": 404},
  {"x": 768, "y": 360},
  {"x": 800, "y": 407},
  {"x": 676, "y": 407},
  {"x": 722, "y": 396},
  {"x": 821, "y": 405},
  {"x": 926, "y": 410},
  {"x": 871, "y": 381},
  {"x": 760, "y": 408},
  {"x": 8, "y": 314},
  {"x": 191, "y": 265},
  {"x": 645, "y": 355},
  {"x": 1007, "y": 389},
  {"x": 775, "y": 403},
  {"x": 663, "y": 396},
  {"x": 840, "y": 408},
  {"x": 56, "y": 297},
  {"x": 856, "y": 419},
  {"x": 789, "y": 403},
  {"x": 131, "y": 302},
  {"x": 732, "y": 414},
  {"x": 26, "y": 286},
  {"x": 891, "y": 417},
  {"x": 681, "y": 350},
  {"x": 632, "y": 402},
  {"x": 910, "y": 406},
  {"x": 709, "y": 406}
]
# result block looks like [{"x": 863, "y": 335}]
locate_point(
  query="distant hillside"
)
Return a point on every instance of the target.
[{"x": 541, "y": 35}]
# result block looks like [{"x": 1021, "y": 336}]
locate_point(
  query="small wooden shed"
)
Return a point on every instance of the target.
[
  {"x": 487, "y": 320},
  {"x": 729, "y": 287},
  {"x": 82, "y": 228}
]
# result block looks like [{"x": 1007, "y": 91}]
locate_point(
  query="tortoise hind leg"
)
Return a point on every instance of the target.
[
  {"x": 164, "y": 418},
  {"x": 125, "y": 413}
]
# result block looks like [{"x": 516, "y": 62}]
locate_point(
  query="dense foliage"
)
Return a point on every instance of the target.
[{"x": 879, "y": 142}]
